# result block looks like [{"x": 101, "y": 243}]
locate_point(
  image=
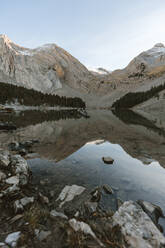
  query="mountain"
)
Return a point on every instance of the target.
[
  {"x": 51, "y": 69},
  {"x": 149, "y": 62},
  {"x": 46, "y": 68}
]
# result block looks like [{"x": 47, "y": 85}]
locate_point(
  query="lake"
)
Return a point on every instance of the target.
[{"x": 71, "y": 148}]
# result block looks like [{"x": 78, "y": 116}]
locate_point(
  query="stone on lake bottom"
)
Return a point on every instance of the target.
[{"x": 107, "y": 189}]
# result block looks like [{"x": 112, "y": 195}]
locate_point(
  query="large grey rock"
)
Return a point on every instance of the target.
[{"x": 137, "y": 228}]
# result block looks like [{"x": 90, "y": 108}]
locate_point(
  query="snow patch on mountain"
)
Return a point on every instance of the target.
[{"x": 99, "y": 70}]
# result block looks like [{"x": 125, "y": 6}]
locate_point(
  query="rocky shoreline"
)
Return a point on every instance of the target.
[{"x": 29, "y": 218}]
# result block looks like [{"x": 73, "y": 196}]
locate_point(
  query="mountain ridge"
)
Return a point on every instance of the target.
[{"x": 50, "y": 69}]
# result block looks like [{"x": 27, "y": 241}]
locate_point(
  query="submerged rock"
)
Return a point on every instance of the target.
[
  {"x": 107, "y": 189},
  {"x": 68, "y": 193},
  {"x": 136, "y": 227},
  {"x": 108, "y": 160}
]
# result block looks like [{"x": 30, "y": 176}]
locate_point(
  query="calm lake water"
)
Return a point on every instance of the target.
[{"x": 70, "y": 152}]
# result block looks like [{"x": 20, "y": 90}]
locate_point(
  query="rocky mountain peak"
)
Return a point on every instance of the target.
[
  {"x": 5, "y": 38},
  {"x": 159, "y": 45}
]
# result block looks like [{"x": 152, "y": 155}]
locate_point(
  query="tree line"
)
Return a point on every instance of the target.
[
  {"x": 133, "y": 98},
  {"x": 10, "y": 93}
]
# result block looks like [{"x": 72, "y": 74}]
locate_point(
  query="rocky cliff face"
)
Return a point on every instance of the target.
[{"x": 45, "y": 68}]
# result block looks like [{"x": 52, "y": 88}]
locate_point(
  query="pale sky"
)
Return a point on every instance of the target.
[{"x": 99, "y": 33}]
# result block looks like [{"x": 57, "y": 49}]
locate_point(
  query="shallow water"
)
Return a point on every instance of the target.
[
  {"x": 68, "y": 153},
  {"x": 131, "y": 178}
]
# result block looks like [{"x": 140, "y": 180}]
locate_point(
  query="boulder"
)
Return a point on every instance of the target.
[{"x": 136, "y": 227}]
